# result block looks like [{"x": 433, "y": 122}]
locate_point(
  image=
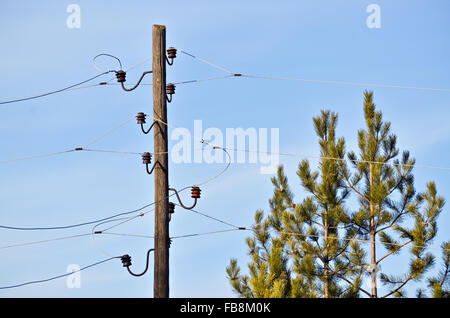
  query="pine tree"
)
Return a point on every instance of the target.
[
  {"x": 303, "y": 235},
  {"x": 313, "y": 249},
  {"x": 377, "y": 178}
]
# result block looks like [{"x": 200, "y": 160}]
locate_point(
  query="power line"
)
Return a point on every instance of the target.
[
  {"x": 67, "y": 151},
  {"x": 340, "y": 159},
  {"x": 211, "y": 217},
  {"x": 19, "y": 99},
  {"x": 207, "y": 233},
  {"x": 37, "y": 156},
  {"x": 360, "y": 240},
  {"x": 59, "y": 276},
  {"x": 312, "y": 80},
  {"x": 206, "y": 62},
  {"x": 311, "y": 156},
  {"x": 97, "y": 139},
  {"x": 44, "y": 241},
  {"x": 346, "y": 83},
  {"x": 77, "y": 224}
]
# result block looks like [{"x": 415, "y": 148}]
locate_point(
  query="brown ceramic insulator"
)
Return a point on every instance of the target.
[
  {"x": 170, "y": 89},
  {"x": 141, "y": 118},
  {"x": 146, "y": 158},
  {"x": 121, "y": 76},
  {"x": 171, "y": 52},
  {"x": 195, "y": 192}
]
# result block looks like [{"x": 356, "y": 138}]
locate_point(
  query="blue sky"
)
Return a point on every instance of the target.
[{"x": 321, "y": 40}]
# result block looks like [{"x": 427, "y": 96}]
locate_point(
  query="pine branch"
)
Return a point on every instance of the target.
[
  {"x": 398, "y": 288},
  {"x": 394, "y": 251}
]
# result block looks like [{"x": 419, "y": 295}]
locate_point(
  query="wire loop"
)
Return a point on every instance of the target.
[
  {"x": 104, "y": 54},
  {"x": 126, "y": 261},
  {"x": 195, "y": 194},
  {"x": 121, "y": 79},
  {"x": 141, "y": 120}
]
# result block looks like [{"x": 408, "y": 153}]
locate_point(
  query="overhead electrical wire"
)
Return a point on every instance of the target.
[
  {"x": 59, "y": 276},
  {"x": 206, "y": 233},
  {"x": 308, "y": 156},
  {"x": 43, "y": 241},
  {"x": 211, "y": 217},
  {"x": 345, "y": 83},
  {"x": 20, "y": 99},
  {"x": 63, "y": 227},
  {"x": 206, "y": 62},
  {"x": 312, "y": 80},
  {"x": 103, "y": 135},
  {"x": 341, "y": 159}
]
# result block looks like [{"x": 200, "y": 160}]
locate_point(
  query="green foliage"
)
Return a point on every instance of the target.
[{"x": 313, "y": 249}]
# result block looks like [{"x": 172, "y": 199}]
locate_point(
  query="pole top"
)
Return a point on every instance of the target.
[{"x": 157, "y": 26}]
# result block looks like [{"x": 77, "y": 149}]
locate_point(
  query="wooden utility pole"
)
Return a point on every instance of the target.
[{"x": 161, "y": 172}]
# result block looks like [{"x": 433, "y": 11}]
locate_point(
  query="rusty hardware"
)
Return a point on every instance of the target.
[
  {"x": 170, "y": 90},
  {"x": 195, "y": 192},
  {"x": 171, "y": 54},
  {"x": 141, "y": 120},
  {"x": 121, "y": 76}
]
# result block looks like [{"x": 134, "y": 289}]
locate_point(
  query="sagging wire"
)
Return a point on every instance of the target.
[
  {"x": 59, "y": 276},
  {"x": 20, "y": 99},
  {"x": 78, "y": 224}
]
